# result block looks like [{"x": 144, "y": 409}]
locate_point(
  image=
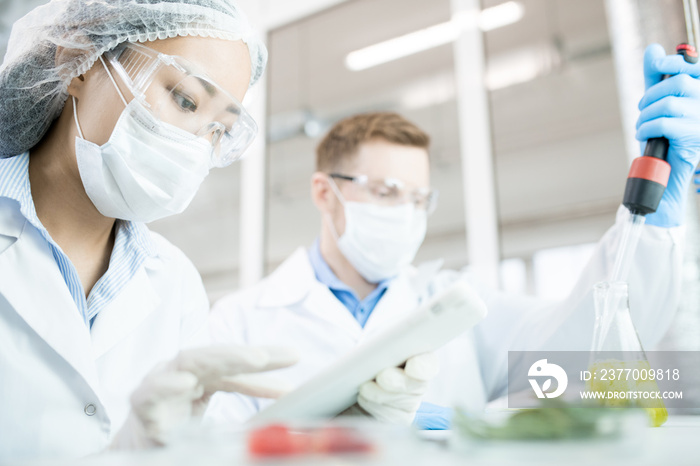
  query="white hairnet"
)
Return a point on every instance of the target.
[{"x": 33, "y": 87}]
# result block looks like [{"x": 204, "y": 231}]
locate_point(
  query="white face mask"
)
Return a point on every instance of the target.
[
  {"x": 146, "y": 171},
  {"x": 379, "y": 240}
]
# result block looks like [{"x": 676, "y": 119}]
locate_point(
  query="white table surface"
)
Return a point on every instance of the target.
[{"x": 675, "y": 443}]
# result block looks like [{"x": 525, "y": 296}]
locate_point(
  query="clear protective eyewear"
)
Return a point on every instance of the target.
[
  {"x": 392, "y": 191},
  {"x": 177, "y": 94}
]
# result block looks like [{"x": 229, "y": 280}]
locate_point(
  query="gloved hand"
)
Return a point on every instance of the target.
[
  {"x": 395, "y": 394},
  {"x": 175, "y": 391},
  {"x": 671, "y": 108}
]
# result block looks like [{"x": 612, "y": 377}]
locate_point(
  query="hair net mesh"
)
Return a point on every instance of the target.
[{"x": 33, "y": 86}]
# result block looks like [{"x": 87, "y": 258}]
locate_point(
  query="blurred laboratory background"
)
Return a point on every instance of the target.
[{"x": 531, "y": 113}]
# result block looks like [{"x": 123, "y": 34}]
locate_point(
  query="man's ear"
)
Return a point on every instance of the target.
[{"x": 321, "y": 192}]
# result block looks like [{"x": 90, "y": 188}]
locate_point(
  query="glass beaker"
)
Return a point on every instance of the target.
[{"x": 618, "y": 364}]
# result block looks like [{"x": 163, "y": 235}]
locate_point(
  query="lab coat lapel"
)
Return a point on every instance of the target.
[
  {"x": 294, "y": 284},
  {"x": 124, "y": 313},
  {"x": 32, "y": 284},
  {"x": 290, "y": 283},
  {"x": 399, "y": 300},
  {"x": 323, "y": 304}
]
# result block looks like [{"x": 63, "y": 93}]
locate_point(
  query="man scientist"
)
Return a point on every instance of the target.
[{"x": 372, "y": 190}]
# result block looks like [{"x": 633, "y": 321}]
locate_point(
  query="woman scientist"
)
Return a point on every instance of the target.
[{"x": 112, "y": 113}]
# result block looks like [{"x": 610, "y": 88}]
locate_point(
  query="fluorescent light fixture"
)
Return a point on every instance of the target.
[
  {"x": 402, "y": 46},
  {"x": 433, "y": 36},
  {"x": 501, "y": 15}
]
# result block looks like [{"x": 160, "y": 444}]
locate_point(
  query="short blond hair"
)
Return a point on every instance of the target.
[{"x": 345, "y": 137}]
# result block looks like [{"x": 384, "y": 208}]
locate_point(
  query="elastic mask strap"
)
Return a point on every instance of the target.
[
  {"x": 335, "y": 189},
  {"x": 111, "y": 78},
  {"x": 330, "y": 222},
  {"x": 75, "y": 104},
  {"x": 75, "y": 115}
]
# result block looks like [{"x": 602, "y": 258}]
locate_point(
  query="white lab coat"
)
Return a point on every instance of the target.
[
  {"x": 290, "y": 307},
  {"x": 53, "y": 368}
]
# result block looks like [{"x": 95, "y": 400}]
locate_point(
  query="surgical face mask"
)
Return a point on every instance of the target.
[
  {"x": 379, "y": 240},
  {"x": 146, "y": 171}
]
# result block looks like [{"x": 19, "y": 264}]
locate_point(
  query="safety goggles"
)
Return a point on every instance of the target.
[
  {"x": 392, "y": 191},
  {"x": 177, "y": 94}
]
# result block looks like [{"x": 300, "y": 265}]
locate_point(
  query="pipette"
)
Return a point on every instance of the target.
[{"x": 648, "y": 175}]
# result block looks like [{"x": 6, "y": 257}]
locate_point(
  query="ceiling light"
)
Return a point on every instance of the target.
[
  {"x": 501, "y": 15},
  {"x": 433, "y": 36}
]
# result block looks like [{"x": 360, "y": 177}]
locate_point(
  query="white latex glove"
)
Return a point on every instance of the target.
[
  {"x": 395, "y": 394},
  {"x": 175, "y": 391}
]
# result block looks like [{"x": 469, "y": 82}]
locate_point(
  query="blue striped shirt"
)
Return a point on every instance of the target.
[{"x": 132, "y": 244}]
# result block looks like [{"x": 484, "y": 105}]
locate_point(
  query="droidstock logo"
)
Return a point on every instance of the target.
[{"x": 541, "y": 369}]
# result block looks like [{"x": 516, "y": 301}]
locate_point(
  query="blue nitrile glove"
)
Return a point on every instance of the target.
[
  {"x": 671, "y": 108},
  {"x": 433, "y": 417}
]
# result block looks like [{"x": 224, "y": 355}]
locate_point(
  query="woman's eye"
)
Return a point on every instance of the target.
[{"x": 183, "y": 102}]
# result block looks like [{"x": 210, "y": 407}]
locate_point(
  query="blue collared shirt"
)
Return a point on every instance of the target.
[
  {"x": 360, "y": 309},
  {"x": 132, "y": 244}
]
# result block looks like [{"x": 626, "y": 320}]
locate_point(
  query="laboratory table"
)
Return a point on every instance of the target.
[{"x": 675, "y": 443}]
